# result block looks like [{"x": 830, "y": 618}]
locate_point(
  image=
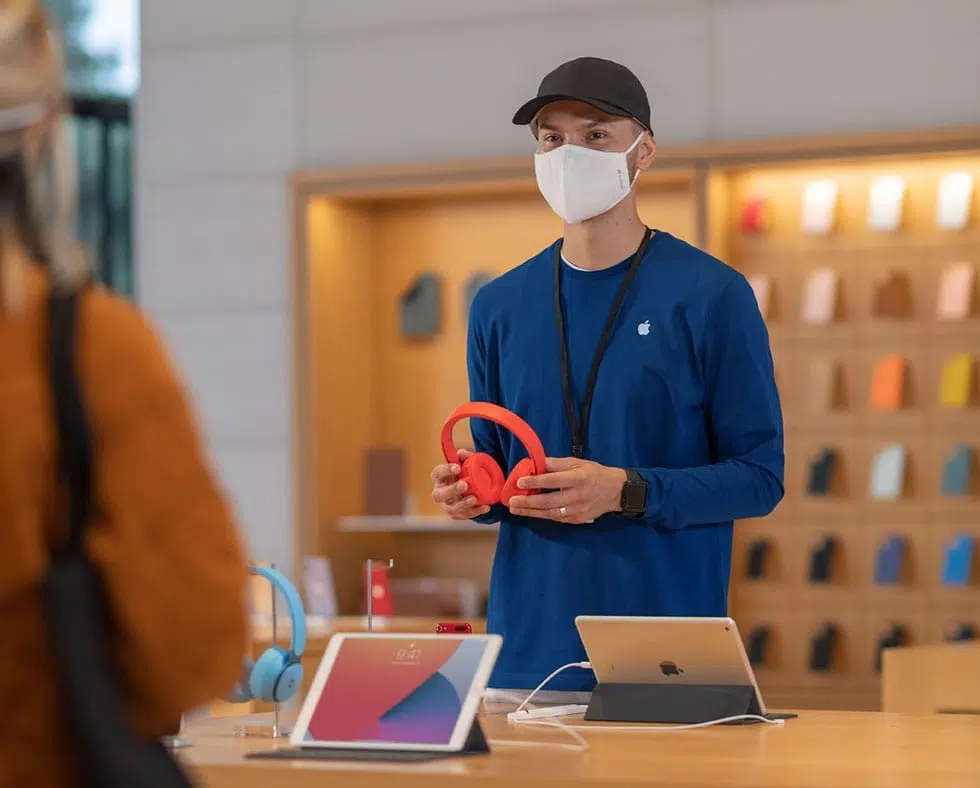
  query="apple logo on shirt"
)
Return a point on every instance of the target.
[{"x": 644, "y": 328}]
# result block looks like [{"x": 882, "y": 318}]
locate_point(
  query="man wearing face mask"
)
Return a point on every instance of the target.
[{"x": 644, "y": 365}]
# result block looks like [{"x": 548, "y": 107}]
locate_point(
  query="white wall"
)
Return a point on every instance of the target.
[{"x": 237, "y": 92}]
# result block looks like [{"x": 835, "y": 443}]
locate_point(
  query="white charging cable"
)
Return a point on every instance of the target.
[
  {"x": 663, "y": 728},
  {"x": 561, "y": 711}
]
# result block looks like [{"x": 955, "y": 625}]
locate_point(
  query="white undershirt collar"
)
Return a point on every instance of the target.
[{"x": 572, "y": 265}]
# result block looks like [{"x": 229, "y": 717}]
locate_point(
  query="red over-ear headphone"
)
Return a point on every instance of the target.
[{"x": 483, "y": 476}]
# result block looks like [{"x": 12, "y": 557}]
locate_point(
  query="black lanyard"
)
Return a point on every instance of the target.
[{"x": 579, "y": 429}]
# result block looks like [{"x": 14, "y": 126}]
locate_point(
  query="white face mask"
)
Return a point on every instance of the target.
[{"x": 580, "y": 183}]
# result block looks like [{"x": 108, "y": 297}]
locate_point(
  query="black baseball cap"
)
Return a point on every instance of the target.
[{"x": 605, "y": 85}]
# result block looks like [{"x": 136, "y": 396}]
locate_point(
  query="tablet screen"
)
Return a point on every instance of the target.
[{"x": 399, "y": 690}]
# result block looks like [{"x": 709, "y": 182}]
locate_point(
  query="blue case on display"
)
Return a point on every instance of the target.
[
  {"x": 958, "y": 561},
  {"x": 888, "y": 564},
  {"x": 956, "y": 472}
]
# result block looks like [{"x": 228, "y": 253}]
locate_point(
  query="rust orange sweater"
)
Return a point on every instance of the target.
[{"x": 166, "y": 540}]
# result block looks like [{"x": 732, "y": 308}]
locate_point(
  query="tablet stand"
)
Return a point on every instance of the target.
[
  {"x": 476, "y": 744},
  {"x": 678, "y": 704}
]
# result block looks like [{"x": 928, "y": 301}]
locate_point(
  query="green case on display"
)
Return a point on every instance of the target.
[
  {"x": 956, "y": 472},
  {"x": 420, "y": 308}
]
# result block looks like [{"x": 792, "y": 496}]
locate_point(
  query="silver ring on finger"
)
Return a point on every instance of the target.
[{"x": 563, "y": 512}]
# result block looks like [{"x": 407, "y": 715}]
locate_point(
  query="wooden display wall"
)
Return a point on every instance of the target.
[
  {"x": 363, "y": 237},
  {"x": 860, "y": 378}
]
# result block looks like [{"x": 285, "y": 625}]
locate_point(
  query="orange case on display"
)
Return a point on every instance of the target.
[{"x": 888, "y": 383}]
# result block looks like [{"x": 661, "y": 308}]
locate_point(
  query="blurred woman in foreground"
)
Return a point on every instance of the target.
[{"x": 164, "y": 540}]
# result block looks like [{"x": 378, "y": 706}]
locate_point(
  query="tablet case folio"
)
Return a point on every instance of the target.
[
  {"x": 476, "y": 744},
  {"x": 957, "y": 382},
  {"x": 896, "y": 635},
  {"x": 108, "y": 750},
  {"x": 822, "y": 647},
  {"x": 888, "y": 473},
  {"x": 678, "y": 704},
  {"x": 957, "y": 472},
  {"x": 758, "y": 643},
  {"x": 888, "y": 383},
  {"x": 384, "y": 481},
  {"x": 961, "y": 632},
  {"x": 822, "y": 473},
  {"x": 958, "y": 561},
  {"x": 421, "y": 308},
  {"x": 822, "y": 560},
  {"x": 756, "y": 560},
  {"x": 889, "y": 561}
]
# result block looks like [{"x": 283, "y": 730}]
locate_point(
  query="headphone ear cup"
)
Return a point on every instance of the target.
[
  {"x": 242, "y": 692},
  {"x": 483, "y": 478},
  {"x": 290, "y": 680},
  {"x": 523, "y": 468},
  {"x": 265, "y": 674}
]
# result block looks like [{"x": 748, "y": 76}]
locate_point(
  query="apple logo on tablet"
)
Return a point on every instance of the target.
[{"x": 670, "y": 669}]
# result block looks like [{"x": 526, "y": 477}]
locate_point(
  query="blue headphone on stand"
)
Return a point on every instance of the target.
[{"x": 277, "y": 674}]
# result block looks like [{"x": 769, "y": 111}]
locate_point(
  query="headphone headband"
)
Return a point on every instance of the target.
[
  {"x": 498, "y": 415},
  {"x": 297, "y": 616}
]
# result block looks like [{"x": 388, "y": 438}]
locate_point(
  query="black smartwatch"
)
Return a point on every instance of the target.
[{"x": 633, "y": 501}]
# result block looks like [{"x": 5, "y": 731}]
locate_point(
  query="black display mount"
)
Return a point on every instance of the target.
[
  {"x": 476, "y": 744},
  {"x": 679, "y": 704}
]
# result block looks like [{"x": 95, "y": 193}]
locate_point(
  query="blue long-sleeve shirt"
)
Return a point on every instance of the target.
[{"x": 685, "y": 394}]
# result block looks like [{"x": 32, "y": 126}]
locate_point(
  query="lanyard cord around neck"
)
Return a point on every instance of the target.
[{"x": 579, "y": 428}]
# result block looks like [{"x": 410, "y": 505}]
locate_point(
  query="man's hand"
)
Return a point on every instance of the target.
[
  {"x": 450, "y": 493},
  {"x": 583, "y": 491}
]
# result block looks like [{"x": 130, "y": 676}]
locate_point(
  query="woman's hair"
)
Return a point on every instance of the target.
[{"x": 37, "y": 167}]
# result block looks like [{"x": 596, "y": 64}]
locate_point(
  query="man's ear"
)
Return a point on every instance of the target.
[{"x": 646, "y": 152}]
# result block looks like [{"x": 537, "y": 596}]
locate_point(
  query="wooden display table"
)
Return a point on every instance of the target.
[
  {"x": 819, "y": 750},
  {"x": 933, "y": 678}
]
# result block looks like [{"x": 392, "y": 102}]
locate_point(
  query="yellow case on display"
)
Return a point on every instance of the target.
[{"x": 957, "y": 381}]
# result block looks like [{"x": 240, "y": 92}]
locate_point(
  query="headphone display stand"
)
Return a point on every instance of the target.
[
  {"x": 177, "y": 741},
  {"x": 263, "y": 730}
]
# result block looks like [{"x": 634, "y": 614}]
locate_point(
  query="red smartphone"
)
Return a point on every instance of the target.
[{"x": 454, "y": 628}]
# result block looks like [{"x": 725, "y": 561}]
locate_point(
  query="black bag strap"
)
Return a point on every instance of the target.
[{"x": 75, "y": 445}]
